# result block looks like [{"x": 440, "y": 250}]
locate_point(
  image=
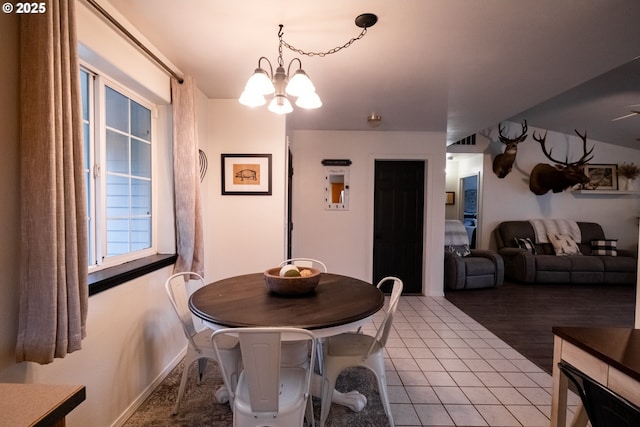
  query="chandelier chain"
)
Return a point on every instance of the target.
[{"x": 320, "y": 54}]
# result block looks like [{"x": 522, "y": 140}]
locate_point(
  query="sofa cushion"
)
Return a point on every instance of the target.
[
  {"x": 527, "y": 244},
  {"x": 563, "y": 244},
  {"x": 590, "y": 264},
  {"x": 604, "y": 247},
  {"x": 552, "y": 263},
  {"x": 618, "y": 264},
  {"x": 478, "y": 266}
]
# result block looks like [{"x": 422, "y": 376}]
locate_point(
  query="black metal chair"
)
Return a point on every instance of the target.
[{"x": 604, "y": 407}]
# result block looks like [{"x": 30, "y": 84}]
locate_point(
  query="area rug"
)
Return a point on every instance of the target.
[{"x": 199, "y": 408}]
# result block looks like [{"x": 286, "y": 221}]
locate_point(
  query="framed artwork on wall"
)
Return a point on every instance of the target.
[
  {"x": 246, "y": 174},
  {"x": 601, "y": 177},
  {"x": 450, "y": 198}
]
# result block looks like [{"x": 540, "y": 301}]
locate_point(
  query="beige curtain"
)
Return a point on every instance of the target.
[
  {"x": 53, "y": 281},
  {"x": 189, "y": 234}
]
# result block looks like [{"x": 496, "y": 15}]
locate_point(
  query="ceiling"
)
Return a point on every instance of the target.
[{"x": 458, "y": 66}]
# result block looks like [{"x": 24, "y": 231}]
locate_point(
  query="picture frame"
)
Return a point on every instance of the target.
[
  {"x": 246, "y": 174},
  {"x": 601, "y": 177},
  {"x": 450, "y": 198}
]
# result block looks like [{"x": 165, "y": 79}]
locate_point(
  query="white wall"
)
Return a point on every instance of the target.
[
  {"x": 344, "y": 239},
  {"x": 133, "y": 337},
  {"x": 509, "y": 198},
  {"x": 243, "y": 234}
]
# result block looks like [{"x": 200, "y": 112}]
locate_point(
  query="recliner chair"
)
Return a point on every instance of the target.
[{"x": 466, "y": 268}]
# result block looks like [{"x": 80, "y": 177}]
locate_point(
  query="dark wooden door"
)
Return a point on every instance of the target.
[{"x": 398, "y": 221}]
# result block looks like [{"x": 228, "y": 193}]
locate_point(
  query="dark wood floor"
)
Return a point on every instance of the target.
[{"x": 522, "y": 314}]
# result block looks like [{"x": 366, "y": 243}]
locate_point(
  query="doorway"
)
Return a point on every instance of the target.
[
  {"x": 470, "y": 212},
  {"x": 398, "y": 222}
]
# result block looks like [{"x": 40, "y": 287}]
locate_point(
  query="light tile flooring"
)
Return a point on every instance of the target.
[{"x": 445, "y": 369}]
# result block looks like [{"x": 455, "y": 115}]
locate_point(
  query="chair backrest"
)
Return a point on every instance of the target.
[
  {"x": 176, "y": 289},
  {"x": 455, "y": 234},
  {"x": 385, "y": 327},
  {"x": 261, "y": 357},
  {"x": 305, "y": 262},
  {"x": 604, "y": 407}
]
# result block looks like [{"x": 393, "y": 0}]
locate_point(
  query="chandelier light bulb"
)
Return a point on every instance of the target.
[{"x": 280, "y": 105}]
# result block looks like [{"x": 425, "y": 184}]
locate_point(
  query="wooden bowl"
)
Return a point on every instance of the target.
[{"x": 291, "y": 285}]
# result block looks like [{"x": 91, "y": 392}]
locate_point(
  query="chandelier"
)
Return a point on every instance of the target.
[{"x": 283, "y": 85}]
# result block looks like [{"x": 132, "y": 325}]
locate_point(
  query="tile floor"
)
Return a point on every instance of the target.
[{"x": 445, "y": 369}]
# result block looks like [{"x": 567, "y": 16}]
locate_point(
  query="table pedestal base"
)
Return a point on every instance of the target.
[{"x": 353, "y": 400}]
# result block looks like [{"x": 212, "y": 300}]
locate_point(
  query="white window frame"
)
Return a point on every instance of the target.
[{"x": 97, "y": 112}]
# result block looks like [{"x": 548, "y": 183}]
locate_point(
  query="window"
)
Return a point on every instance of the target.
[{"x": 118, "y": 143}]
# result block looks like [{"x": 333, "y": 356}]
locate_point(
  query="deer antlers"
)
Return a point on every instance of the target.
[
  {"x": 584, "y": 159},
  {"x": 503, "y": 163},
  {"x": 515, "y": 140},
  {"x": 562, "y": 175}
]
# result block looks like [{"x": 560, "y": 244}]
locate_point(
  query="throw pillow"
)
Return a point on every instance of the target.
[
  {"x": 563, "y": 244},
  {"x": 604, "y": 247},
  {"x": 460, "y": 250},
  {"x": 526, "y": 243}
]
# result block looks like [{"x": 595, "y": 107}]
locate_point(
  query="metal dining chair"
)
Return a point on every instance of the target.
[
  {"x": 604, "y": 407},
  {"x": 199, "y": 346},
  {"x": 268, "y": 392},
  {"x": 359, "y": 349},
  {"x": 312, "y": 263}
]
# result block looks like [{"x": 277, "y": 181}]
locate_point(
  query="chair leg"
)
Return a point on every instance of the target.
[
  {"x": 183, "y": 385},
  {"x": 319, "y": 355},
  {"x": 309, "y": 412},
  {"x": 328, "y": 384},
  {"x": 382, "y": 390},
  {"x": 202, "y": 365}
]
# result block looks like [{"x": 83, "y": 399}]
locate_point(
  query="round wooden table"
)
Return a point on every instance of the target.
[{"x": 338, "y": 304}]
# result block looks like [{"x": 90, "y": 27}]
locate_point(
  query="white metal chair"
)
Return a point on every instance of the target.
[
  {"x": 313, "y": 263},
  {"x": 305, "y": 262},
  {"x": 199, "y": 346},
  {"x": 359, "y": 349},
  {"x": 268, "y": 393}
]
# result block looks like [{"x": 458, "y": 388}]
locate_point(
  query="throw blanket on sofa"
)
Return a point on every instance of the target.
[
  {"x": 558, "y": 226},
  {"x": 454, "y": 233}
]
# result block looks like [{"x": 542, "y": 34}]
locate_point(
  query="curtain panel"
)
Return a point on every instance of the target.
[
  {"x": 188, "y": 209},
  {"x": 53, "y": 281}
]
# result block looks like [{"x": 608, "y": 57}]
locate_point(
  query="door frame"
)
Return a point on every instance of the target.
[
  {"x": 433, "y": 255},
  {"x": 461, "y": 179}
]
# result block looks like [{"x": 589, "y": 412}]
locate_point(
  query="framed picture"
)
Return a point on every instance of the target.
[
  {"x": 246, "y": 174},
  {"x": 601, "y": 177},
  {"x": 451, "y": 198}
]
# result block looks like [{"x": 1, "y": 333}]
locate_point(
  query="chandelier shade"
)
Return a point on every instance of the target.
[
  {"x": 309, "y": 101},
  {"x": 281, "y": 85},
  {"x": 260, "y": 83},
  {"x": 252, "y": 99}
]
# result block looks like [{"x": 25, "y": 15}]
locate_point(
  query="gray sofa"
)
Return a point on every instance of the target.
[{"x": 546, "y": 267}]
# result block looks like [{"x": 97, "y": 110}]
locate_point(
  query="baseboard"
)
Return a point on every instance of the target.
[{"x": 119, "y": 422}]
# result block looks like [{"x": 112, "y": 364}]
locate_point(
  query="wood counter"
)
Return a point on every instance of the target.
[{"x": 38, "y": 405}]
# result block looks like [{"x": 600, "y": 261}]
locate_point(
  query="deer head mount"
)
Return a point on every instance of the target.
[
  {"x": 561, "y": 175},
  {"x": 503, "y": 163}
]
